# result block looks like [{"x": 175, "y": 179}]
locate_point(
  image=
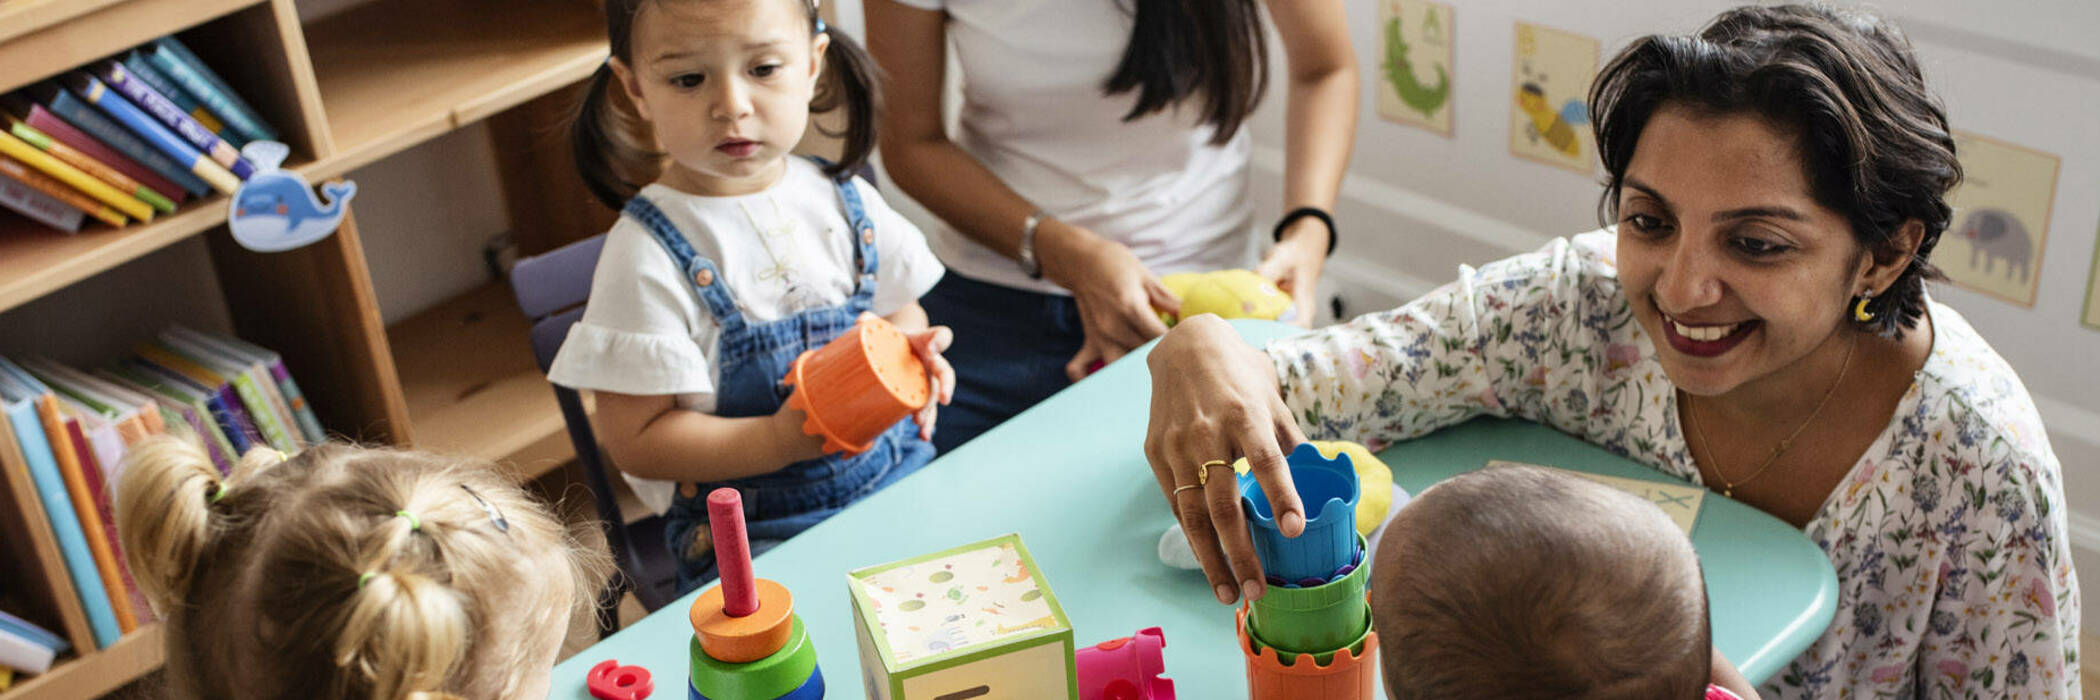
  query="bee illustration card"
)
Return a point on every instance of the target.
[
  {"x": 1549, "y": 113},
  {"x": 2001, "y": 218},
  {"x": 1414, "y": 71}
]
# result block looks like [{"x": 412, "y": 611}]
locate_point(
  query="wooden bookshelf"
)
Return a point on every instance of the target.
[
  {"x": 395, "y": 73},
  {"x": 473, "y": 387},
  {"x": 99, "y": 673},
  {"x": 36, "y": 262},
  {"x": 343, "y": 91}
]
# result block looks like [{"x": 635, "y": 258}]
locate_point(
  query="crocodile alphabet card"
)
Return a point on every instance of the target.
[{"x": 1414, "y": 70}]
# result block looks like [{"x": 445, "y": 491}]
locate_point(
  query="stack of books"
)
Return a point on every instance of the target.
[
  {"x": 124, "y": 139},
  {"x": 74, "y": 428}
]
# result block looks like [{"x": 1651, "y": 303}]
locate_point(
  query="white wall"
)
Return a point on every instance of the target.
[{"x": 1416, "y": 204}]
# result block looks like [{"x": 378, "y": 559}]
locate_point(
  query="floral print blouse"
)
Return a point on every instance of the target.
[{"x": 1949, "y": 536}]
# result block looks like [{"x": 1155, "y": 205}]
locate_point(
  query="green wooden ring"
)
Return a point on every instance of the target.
[{"x": 770, "y": 677}]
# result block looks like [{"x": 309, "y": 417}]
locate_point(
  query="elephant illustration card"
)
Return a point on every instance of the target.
[
  {"x": 2001, "y": 218},
  {"x": 1549, "y": 116},
  {"x": 1414, "y": 70}
]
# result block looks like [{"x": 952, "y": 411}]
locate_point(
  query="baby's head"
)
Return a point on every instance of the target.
[
  {"x": 1529, "y": 582},
  {"x": 347, "y": 572}
]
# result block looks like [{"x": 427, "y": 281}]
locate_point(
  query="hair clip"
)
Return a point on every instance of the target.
[
  {"x": 820, "y": 26},
  {"x": 495, "y": 516}
]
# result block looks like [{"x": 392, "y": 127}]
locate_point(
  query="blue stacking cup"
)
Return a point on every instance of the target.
[{"x": 1328, "y": 488}]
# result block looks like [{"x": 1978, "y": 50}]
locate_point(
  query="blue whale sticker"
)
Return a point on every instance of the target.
[{"x": 276, "y": 210}]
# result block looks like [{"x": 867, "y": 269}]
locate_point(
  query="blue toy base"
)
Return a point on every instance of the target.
[{"x": 813, "y": 689}]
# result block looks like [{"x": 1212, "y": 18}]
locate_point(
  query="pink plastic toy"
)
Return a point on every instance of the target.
[
  {"x": 1125, "y": 669},
  {"x": 610, "y": 681}
]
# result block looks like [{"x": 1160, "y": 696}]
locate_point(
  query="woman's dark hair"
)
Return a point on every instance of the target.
[
  {"x": 1184, "y": 48},
  {"x": 1872, "y": 139},
  {"x": 612, "y": 145}
]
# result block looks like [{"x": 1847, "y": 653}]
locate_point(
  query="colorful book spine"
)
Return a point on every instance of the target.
[
  {"x": 19, "y": 652},
  {"x": 87, "y": 164},
  {"x": 102, "y": 485},
  {"x": 175, "y": 61},
  {"x": 309, "y": 424},
  {"x": 63, "y": 133},
  {"x": 39, "y": 207},
  {"x": 30, "y": 631},
  {"x": 76, "y": 178},
  {"x": 189, "y": 411},
  {"x": 94, "y": 92},
  {"x": 65, "y": 524},
  {"x": 87, "y": 119},
  {"x": 101, "y": 545},
  {"x": 139, "y": 66},
  {"x": 36, "y": 179},
  {"x": 243, "y": 422},
  {"x": 171, "y": 116}
]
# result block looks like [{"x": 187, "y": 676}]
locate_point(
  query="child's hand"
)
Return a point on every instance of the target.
[{"x": 928, "y": 345}]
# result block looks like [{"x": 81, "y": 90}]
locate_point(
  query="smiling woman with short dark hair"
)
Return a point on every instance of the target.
[{"x": 1755, "y": 320}]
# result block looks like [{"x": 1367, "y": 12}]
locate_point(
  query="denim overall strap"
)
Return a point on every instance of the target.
[
  {"x": 700, "y": 273},
  {"x": 863, "y": 241}
]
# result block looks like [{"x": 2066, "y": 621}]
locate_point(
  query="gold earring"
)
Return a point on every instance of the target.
[{"x": 1860, "y": 311}]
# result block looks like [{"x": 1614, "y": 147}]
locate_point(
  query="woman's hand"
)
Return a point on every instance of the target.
[
  {"x": 1295, "y": 263},
  {"x": 1215, "y": 399},
  {"x": 1119, "y": 300},
  {"x": 928, "y": 345}
]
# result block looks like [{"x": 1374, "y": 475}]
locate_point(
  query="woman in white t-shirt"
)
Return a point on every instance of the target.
[{"x": 1100, "y": 147}]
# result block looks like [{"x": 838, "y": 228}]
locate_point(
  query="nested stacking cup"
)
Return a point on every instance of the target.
[
  {"x": 1329, "y": 490},
  {"x": 1313, "y": 620}
]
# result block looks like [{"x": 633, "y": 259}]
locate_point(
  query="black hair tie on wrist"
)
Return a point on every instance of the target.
[{"x": 1333, "y": 236}]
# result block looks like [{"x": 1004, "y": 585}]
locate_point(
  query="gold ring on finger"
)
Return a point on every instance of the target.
[{"x": 1203, "y": 472}]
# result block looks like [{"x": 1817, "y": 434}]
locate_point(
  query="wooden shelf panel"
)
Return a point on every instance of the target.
[
  {"x": 94, "y": 675},
  {"x": 45, "y": 37},
  {"x": 35, "y": 261},
  {"x": 472, "y": 386},
  {"x": 394, "y": 73}
]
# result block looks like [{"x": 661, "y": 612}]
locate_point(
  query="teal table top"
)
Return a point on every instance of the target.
[{"x": 1070, "y": 476}]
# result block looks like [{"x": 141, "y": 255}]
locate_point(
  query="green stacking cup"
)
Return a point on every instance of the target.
[{"x": 1313, "y": 620}]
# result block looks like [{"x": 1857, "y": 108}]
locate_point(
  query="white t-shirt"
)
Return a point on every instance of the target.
[
  {"x": 781, "y": 251},
  {"x": 1034, "y": 113}
]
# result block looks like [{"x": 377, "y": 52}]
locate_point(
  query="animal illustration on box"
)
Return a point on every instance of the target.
[
  {"x": 1994, "y": 234},
  {"x": 276, "y": 210}
]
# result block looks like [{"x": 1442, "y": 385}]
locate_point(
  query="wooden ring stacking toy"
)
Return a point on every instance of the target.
[
  {"x": 858, "y": 385},
  {"x": 747, "y": 642}
]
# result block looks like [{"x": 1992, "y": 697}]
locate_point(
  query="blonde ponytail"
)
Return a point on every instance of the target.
[
  {"x": 405, "y": 632},
  {"x": 164, "y": 501}
]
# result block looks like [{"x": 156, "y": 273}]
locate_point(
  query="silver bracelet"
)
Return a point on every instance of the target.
[{"x": 1026, "y": 256}]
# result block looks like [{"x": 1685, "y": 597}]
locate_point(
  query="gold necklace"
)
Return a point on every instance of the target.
[{"x": 1728, "y": 485}]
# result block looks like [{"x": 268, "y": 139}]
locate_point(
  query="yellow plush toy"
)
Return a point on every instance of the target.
[
  {"x": 1374, "y": 481},
  {"x": 1227, "y": 293}
]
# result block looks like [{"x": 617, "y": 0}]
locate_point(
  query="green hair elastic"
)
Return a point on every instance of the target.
[
  {"x": 414, "y": 525},
  {"x": 219, "y": 493},
  {"x": 365, "y": 578}
]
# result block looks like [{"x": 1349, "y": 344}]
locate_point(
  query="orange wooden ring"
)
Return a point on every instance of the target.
[{"x": 741, "y": 640}]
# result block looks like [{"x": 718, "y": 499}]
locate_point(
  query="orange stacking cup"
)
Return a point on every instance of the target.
[
  {"x": 1348, "y": 675},
  {"x": 858, "y": 385}
]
